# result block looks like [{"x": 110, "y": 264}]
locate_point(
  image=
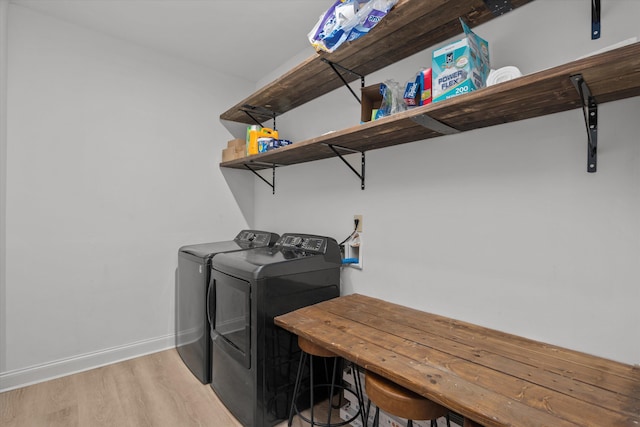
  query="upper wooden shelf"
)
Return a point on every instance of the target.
[
  {"x": 410, "y": 27},
  {"x": 610, "y": 76}
]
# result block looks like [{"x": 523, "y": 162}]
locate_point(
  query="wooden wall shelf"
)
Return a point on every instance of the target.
[
  {"x": 410, "y": 27},
  {"x": 610, "y": 76}
]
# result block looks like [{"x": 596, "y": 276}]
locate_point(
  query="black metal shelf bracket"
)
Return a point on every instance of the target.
[
  {"x": 271, "y": 184},
  {"x": 595, "y": 19},
  {"x": 363, "y": 162},
  {"x": 335, "y": 66},
  {"x": 590, "y": 111},
  {"x": 253, "y": 111},
  {"x": 434, "y": 125}
]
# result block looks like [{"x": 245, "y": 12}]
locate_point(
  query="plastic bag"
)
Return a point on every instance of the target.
[
  {"x": 347, "y": 20},
  {"x": 392, "y": 99}
]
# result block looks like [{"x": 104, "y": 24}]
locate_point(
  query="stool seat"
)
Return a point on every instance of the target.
[
  {"x": 399, "y": 401},
  {"x": 314, "y": 349}
]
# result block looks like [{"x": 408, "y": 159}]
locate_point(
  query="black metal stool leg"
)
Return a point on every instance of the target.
[
  {"x": 334, "y": 387},
  {"x": 311, "y": 371},
  {"x": 357, "y": 384},
  {"x": 296, "y": 387}
]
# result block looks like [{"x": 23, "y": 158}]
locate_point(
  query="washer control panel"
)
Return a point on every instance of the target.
[{"x": 251, "y": 238}]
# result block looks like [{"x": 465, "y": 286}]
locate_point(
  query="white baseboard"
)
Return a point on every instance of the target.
[{"x": 47, "y": 371}]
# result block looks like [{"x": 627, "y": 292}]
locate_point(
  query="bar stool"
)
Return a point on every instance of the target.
[
  {"x": 309, "y": 351},
  {"x": 399, "y": 401}
]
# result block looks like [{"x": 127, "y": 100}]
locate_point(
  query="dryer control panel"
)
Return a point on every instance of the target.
[{"x": 303, "y": 242}]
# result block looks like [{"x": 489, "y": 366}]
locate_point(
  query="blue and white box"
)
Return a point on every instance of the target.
[{"x": 460, "y": 67}]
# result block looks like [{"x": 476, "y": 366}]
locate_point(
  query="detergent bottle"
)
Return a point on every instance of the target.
[
  {"x": 251, "y": 137},
  {"x": 255, "y": 132}
]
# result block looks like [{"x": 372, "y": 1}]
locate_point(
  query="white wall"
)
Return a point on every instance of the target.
[
  {"x": 4, "y": 20},
  {"x": 503, "y": 226},
  {"x": 112, "y": 155}
]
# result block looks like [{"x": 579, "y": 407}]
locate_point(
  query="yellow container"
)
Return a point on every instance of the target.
[
  {"x": 250, "y": 132},
  {"x": 255, "y": 132}
]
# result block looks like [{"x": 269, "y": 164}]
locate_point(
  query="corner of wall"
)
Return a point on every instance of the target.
[
  {"x": 242, "y": 186},
  {"x": 4, "y": 21}
]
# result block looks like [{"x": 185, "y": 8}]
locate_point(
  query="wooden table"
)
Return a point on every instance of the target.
[{"x": 491, "y": 377}]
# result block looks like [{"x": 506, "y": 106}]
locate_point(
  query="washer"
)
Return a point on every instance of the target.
[
  {"x": 254, "y": 363},
  {"x": 194, "y": 271}
]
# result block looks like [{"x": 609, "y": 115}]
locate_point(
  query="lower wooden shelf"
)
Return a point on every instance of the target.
[{"x": 610, "y": 76}]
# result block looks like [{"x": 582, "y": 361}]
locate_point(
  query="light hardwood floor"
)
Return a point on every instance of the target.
[{"x": 156, "y": 390}]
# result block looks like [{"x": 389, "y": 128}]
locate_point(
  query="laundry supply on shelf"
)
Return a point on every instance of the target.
[
  {"x": 392, "y": 99},
  {"x": 411, "y": 97},
  {"x": 254, "y": 133},
  {"x": 502, "y": 75},
  {"x": 460, "y": 67},
  {"x": 268, "y": 143},
  {"x": 418, "y": 91},
  {"x": 347, "y": 20}
]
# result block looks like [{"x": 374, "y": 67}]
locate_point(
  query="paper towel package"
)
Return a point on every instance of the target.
[{"x": 460, "y": 67}]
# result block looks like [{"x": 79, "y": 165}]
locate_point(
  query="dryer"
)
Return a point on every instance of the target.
[
  {"x": 194, "y": 272},
  {"x": 254, "y": 363}
]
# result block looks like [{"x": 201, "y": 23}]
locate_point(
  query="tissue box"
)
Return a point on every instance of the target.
[{"x": 460, "y": 67}]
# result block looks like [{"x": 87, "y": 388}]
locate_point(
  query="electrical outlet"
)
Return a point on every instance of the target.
[
  {"x": 352, "y": 249},
  {"x": 359, "y": 218}
]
